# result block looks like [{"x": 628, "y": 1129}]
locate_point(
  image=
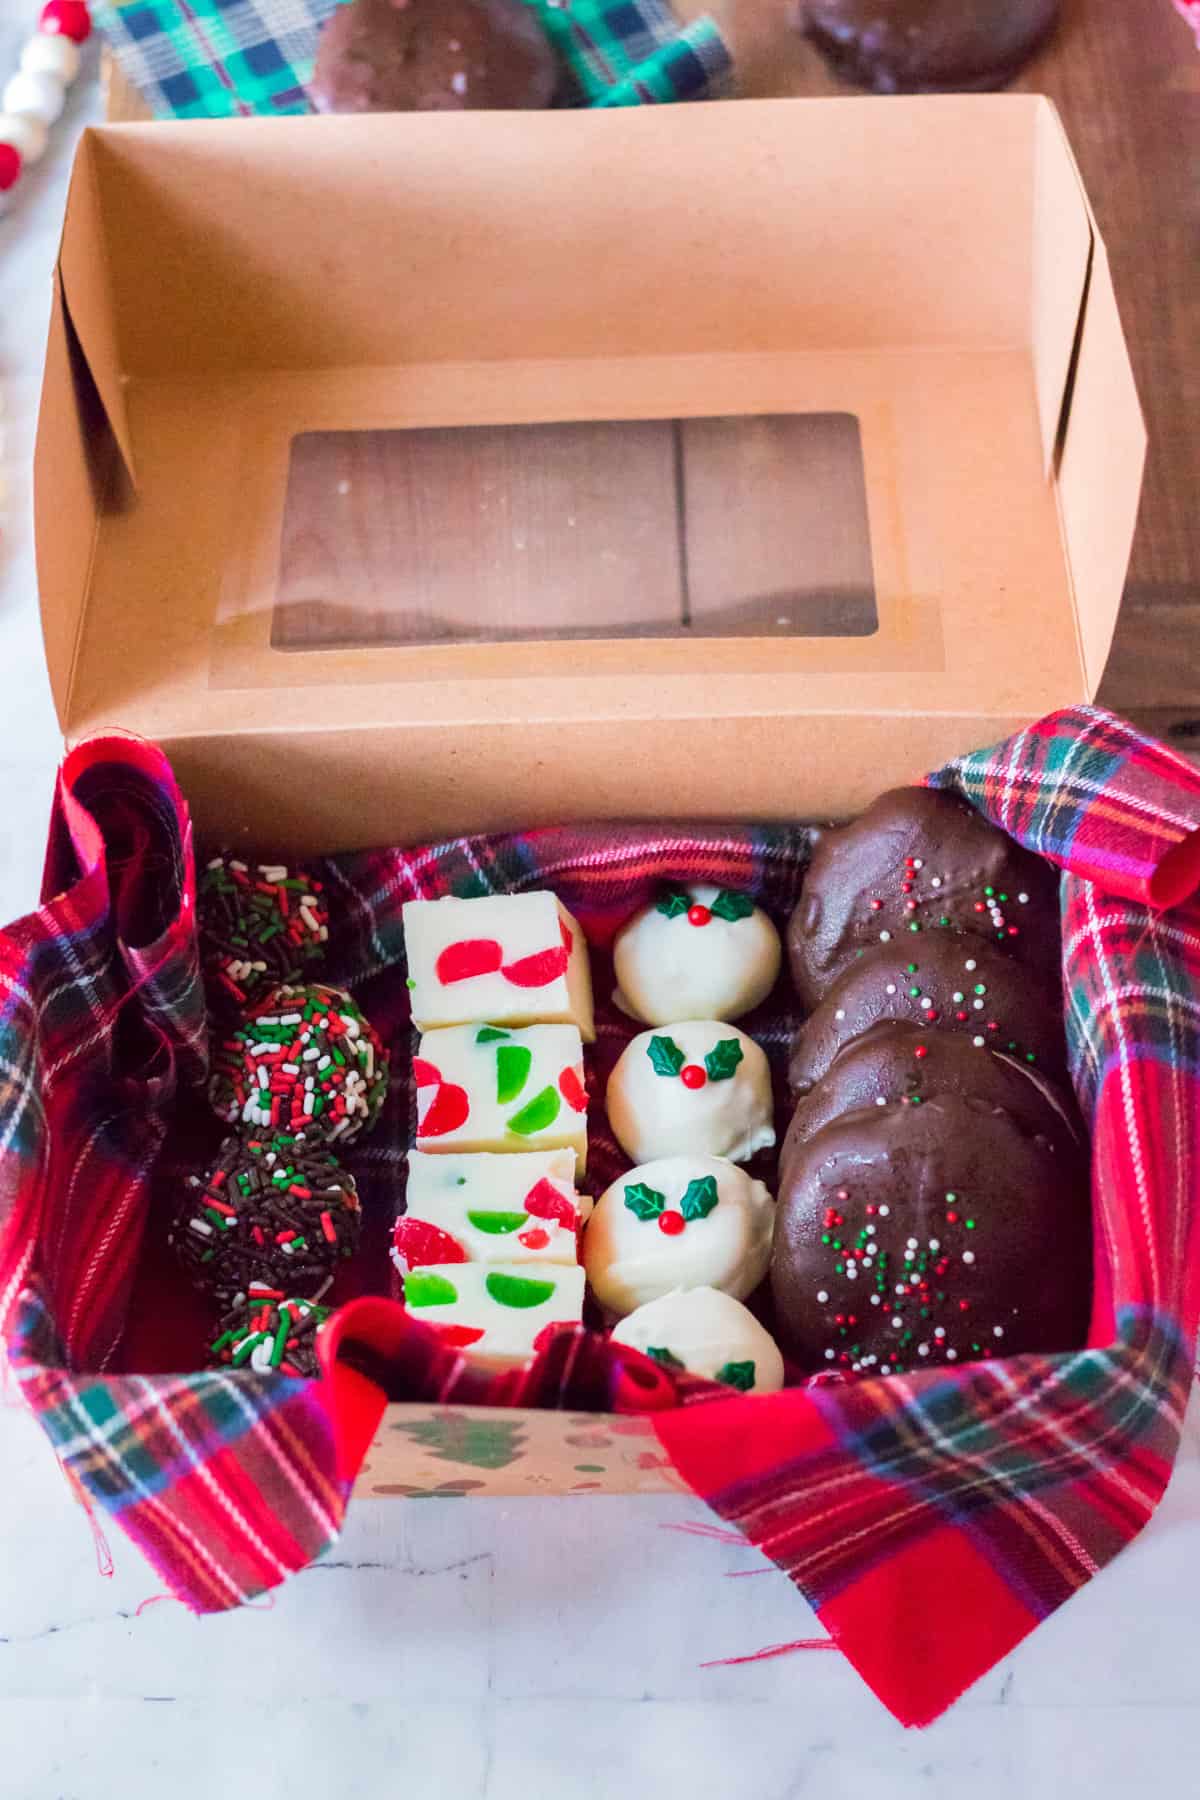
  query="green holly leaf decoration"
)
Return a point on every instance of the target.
[
  {"x": 732, "y": 906},
  {"x": 672, "y": 904},
  {"x": 645, "y": 1202},
  {"x": 665, "y": 1055},
  {"x": 666, "y": 1359},
  {"x": 700, "y": 1198},
  {"x": 737, "y": 1375},
  {"x": 488, "y": 1034},
  {"x": 723, "y": 1059}
]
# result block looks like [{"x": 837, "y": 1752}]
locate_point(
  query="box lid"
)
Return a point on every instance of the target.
[{"x": 807, "y": 311}]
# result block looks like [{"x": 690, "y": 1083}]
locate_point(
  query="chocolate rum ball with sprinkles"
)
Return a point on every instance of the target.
[
  {"x": 946, "y": 982},
  {"x": 908, "y": 1236},
  {"x": 275, "y": 1211},
  {"x": 260, "y": 924},
  {"x": 271, "y": 1332},
  {"x": 304, "y": 1059},
  {"x": 919, "y": 862}
]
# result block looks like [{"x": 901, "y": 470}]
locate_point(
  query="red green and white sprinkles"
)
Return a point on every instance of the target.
[
  {"x": 923, "y": 902},
  {"x": 303, "y": 1060},
  {"x": 260, "y": 924},
  {"x": 270, "y": 1332},
  {"x": 916, "y": 1289},
  {"x": 272, "y": 1211}
]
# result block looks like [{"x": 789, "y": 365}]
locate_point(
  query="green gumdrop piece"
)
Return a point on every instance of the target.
[
  {"x": 667, "y": 1359},
  {"x": 517, "y": 1290},
  {"x": 541, "y": 1111},
  {"x": 497, "y": 1223},
  {"x": 429, "y": 1290},
  {"x": 737, "y": 1375},
  {"x": 513, "y": 1063},
  {"x": 488, "y": 1034}
]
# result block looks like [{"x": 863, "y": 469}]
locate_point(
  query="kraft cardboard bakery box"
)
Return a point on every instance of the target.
[{"x": 416, "y": 474}]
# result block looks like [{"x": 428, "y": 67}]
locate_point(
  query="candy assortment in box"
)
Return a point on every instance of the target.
[
  {"x": 525, "y": 1088},
  {"x": 921, "y": 1269}
]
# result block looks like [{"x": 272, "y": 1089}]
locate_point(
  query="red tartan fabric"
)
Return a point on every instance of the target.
[{"x": 1009, "y": 1481}]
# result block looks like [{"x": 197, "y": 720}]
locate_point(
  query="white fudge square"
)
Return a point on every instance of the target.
[
  {"x": 494, "y": 1312},
  {"x": 491, "y": 1209},
  {"x": 484, "y": 1087},
  {"x": 513, "y": 959}
]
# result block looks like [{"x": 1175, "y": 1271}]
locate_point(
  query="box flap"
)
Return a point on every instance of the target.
[
  {"x": 1100, "y": 469},
  {"x": 1062, "y": 252},
  {"x": 83, "y": 268},
  {"x": 67, "y": 479}
]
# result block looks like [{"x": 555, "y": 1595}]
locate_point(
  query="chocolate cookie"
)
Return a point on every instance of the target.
[
  {"x": 433, "y": 56},
  {"x": 907, "y": 1236},
  {"x": 916, "y": 863},
  {"x": 909, "y": 1065},
  {"x": 926, "y": 46},
  {"x": 946, "y": 982}
]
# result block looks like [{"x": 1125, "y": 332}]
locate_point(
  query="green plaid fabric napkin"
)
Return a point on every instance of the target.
[{"x": 228, "y": 58}]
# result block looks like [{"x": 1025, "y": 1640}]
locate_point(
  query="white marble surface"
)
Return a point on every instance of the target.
[{"x": 490, "y": 1650}]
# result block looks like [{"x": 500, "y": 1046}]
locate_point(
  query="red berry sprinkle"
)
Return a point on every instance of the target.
[
  {"x": 877, "y": 906},
  {"x": 698, "y": 915},
  {"x": 10, "y": 166},
  {"x": 671, "y": 1222},
  {"x": 921, "y": 1050},
  {"x": 692, "y": 1076}
]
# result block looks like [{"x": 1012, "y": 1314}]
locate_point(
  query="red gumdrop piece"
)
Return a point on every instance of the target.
[
  {"x": 543, "y": 1201},
  {"x": 564, "y": 931},
  {"x": 10, "y": 166},
  {"x": 572, "y": 1090},
  {"x": 68, "y": 17},
  {"x": 671, "y": 1222},
  {"x": 698, "y": 915},
  {"x": 419, "y": 1245},
  {"x": 457, "y": 1337},
  {"x": 424, "y": 1073},
  {"x": 538, "y": 970},
  {"x": 450, "y": 1108},
  {"x": 466, "y": 959},
  {"x": 534, "y": 1239},
  {"x": 692, "y": 1076}
]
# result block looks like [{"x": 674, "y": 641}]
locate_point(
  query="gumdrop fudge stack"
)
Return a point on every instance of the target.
[{"x": 488, "y": 1246}]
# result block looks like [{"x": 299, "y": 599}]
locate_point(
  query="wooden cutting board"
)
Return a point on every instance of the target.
[{"x": 1127, "y": 82}]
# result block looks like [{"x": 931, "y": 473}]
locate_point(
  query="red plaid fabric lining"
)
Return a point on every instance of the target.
[{"x": 1009, "y": 1481}]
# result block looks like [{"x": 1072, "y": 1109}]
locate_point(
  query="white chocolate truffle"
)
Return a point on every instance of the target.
[
  {"x": 710, "y": 1334},
  {"x": 700, "y": 1087},
  {"x": 495, "y": 1312},
  {"x": 481, "y": 1087},
  {"x": 512, "y": 959},
  {"x": 680, "y": 1222},
  {"x": 701, "y": 952}
]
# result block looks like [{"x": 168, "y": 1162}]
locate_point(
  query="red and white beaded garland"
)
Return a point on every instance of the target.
[{"x": 34, "y": 96}]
